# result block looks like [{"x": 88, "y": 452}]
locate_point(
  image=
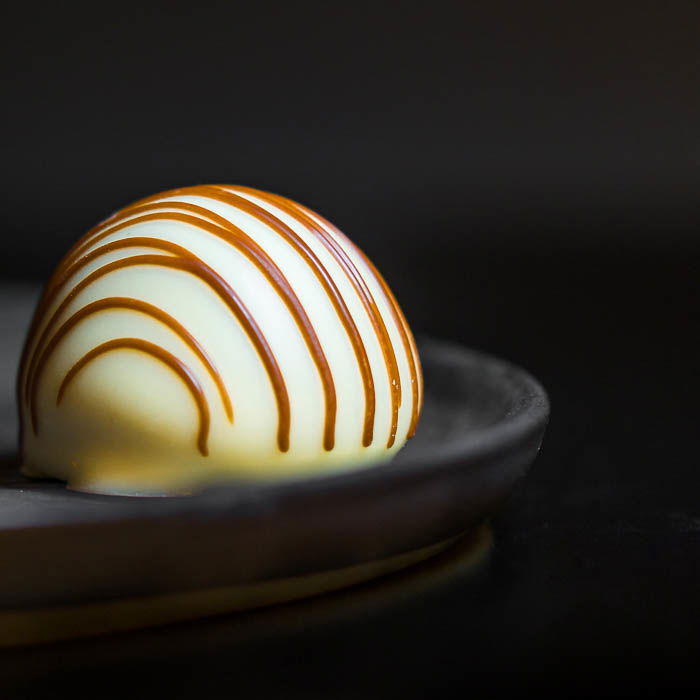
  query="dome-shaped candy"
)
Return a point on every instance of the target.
[{"x": 213, "y": 331}]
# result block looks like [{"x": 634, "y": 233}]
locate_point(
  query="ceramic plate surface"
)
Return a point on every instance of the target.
[{"x": 481, "y": 427}]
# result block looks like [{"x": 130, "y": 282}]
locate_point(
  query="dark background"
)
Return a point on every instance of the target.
[{"x": 525, "y": 174}]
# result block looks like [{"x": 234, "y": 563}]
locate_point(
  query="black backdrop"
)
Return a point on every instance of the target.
[
  {"x": 525, "y": 174},
  {"x": 523, "y": 123}
]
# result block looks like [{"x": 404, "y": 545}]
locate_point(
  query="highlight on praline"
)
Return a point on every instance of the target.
[{"x": 210, "y": 332}]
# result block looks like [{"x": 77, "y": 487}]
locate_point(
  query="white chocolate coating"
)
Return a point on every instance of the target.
[{"x": 176, "y": 336}]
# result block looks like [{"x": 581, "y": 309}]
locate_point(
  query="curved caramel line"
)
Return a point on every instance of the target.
[
  {"x": 407, "y": 338},
  {"x": 237, "y": 238},
  {"x": 262, "y": 262},
  {"x": 189, "y": 263},
  {"x": 301, "y": 248},
  {"x": 182, "y": 371},
  {"x": 61, "y": 277},
  {"x": 298, "y": 213},
  {"x": 225, "y": 194},
  {"x": 234, "y": 236},
  {"x": 34, "y": 374},
  {"x": 112, "y": 225}
]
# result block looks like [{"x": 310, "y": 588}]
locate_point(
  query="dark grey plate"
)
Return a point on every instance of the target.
[{"x": 482, "y": 425}]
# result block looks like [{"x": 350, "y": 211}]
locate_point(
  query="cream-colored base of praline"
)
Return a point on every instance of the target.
[
  {"x": 146, "y": 478},
  {"x": 25, "y": 627},
  {"x": 150, "y": 482}
]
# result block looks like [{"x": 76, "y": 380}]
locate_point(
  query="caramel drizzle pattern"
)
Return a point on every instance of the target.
[
  {"x": 228, "y": 196},
  {"x": 321, "y": 273},
  {"x": 187, "y": 262},
  {"x": 178, "y": 367},
  {"x": 358, "y": 284},
  {"x": 329, "y": 286},
  {"x": 226, "y": 230},
  {"x": 407, "y": 340},
  {"x": 248, "y": 247},
  {"x": 139, "y": 306}
]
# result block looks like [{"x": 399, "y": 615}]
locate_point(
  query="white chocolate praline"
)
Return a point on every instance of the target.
[{"x": 212, "y": 332}]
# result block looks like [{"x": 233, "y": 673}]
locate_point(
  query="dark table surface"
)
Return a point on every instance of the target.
[{"x": 593, "y": 580}]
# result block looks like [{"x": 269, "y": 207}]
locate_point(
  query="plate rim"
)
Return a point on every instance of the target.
[{"x": 529, "y": 419}]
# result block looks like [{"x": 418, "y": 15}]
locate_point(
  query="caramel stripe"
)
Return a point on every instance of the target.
[
  {"x": 312, "y": 260},
  {"x": 318, "y": 269},
  {"x": 132, "y": 305},
  {"x": 243, "y": 204},
  {"x": 296, "y": 212},
  {"x": 48, "y": 287},
  {"x": 407, "y": 340},
  {"x": 65, "y": 271},
  {"x": 23, "y": 359},
  {"x": 406, "y": 336},
  {"x": 263, "y": 263},
  {"x": 151, "y": 208},
  {"x": 48, "y": 294},
  {"x": 33, "y": 324},
  {"x": 193, "y": 265},
  {"x": 182, "y": 371},
  {"x": 393, "y": 303},
  {"x": 92, "y": 236}
]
